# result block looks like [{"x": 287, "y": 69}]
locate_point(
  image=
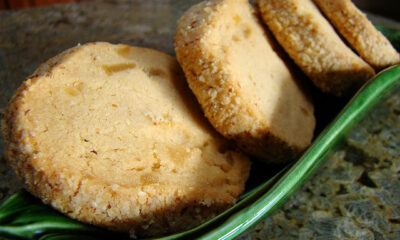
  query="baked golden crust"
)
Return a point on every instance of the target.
[
  {"x": 111, "y": 135},
  {"x": 372, "y": 46},
  {"x": 245, "y": 89},
  {"x": 312, "y": 43}
]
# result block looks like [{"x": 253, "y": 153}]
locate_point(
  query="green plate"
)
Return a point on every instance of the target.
[{"x": 25, "y": 217}]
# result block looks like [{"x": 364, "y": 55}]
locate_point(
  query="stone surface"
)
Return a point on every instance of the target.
[{"x": 355, "y": 194}]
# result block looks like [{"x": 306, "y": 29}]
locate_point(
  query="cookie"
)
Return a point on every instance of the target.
[
  {"x": 246, "y": 90},
  {"x": 355, "y": 27},
  {"x": 313, "y": 44},
  {"x": 112, "y": 136}
]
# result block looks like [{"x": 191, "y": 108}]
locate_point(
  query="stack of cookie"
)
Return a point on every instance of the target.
[
  {"x": 244, "y": 82},
  {"x": 312, "y": 42},
  {"x": 111, "y": 135}
]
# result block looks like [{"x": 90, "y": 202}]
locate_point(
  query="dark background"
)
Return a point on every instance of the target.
[{"x": 387, "y": 8}]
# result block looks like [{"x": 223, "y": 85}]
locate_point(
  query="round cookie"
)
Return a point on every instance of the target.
[
  {"x": 355, "y": 27},
  {"x": 313, "y": 44},
  {"x": 246, "y": 90},
  {"x": 111, "y": 135}
]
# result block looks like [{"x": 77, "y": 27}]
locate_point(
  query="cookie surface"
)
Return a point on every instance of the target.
[
  {"x": 111, "y": 135},
  {"x": 372, "y": 46},
  {"x": 313, "y": 44},
  {"x": 245, "y": 89}
]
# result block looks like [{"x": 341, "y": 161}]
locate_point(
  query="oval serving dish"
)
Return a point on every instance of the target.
[{"x": 22, "y": 216}]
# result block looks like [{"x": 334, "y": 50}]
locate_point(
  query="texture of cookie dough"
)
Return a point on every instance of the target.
[
  {"x": 355, "y": 27},
  {"x": 313, "y": 44},
  {"x": 111, "y": 135},
  {"x": 246, "y": 90}
]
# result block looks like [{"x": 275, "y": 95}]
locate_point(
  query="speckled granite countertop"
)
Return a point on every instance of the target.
[{"x": 355, "y": 195}]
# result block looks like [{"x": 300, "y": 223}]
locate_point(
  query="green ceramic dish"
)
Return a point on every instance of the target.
[{"x": 24, "y": 217}]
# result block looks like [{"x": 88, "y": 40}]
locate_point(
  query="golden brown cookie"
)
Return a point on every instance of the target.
[
  {"x": 245, "y": 89},
  {"x": 313, "y": 44},
  {"x": 372, "y": 46},
  {"x": 111, "y": 135}
]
